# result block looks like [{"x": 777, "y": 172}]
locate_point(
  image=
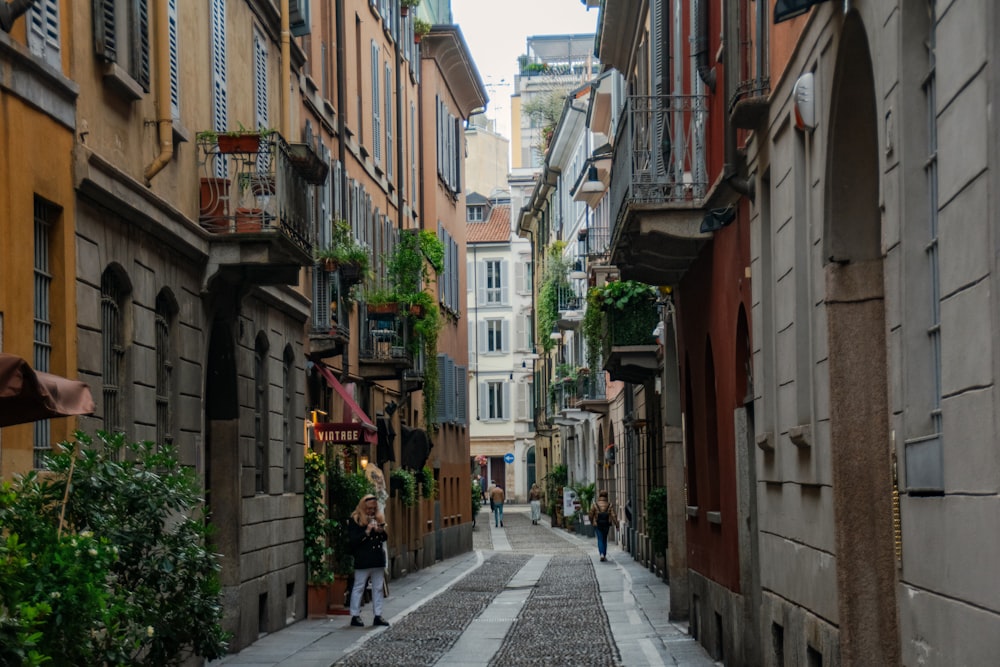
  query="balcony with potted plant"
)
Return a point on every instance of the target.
[
  {"x": 629, "y": 316},
  {"x": 255, "y": 204}
]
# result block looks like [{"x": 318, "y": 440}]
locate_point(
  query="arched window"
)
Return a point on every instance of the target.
[
  {"x": 166, "y": 312},
  {"x": 260, "y": 409},
  {"x": 288, "y": 418},
  {"x": 114, "y": 358}
]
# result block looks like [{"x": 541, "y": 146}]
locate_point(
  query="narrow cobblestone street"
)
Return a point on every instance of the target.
[{"x": 540, "y": 597}]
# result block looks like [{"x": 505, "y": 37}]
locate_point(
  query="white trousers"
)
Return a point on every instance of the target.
[{"x": 377, "y": 575}]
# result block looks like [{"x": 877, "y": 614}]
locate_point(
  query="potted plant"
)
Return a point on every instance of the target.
[
  {"x": 420, "y": 28},
  {"x": 428, "y": 486},
  {"x": 242, "y": 139},
  {"x": 346, "y": 253},
  {"x": 317, "y": 528},
  {"x": 381, "y": 301},
  {"x": 404, "y": 6}
]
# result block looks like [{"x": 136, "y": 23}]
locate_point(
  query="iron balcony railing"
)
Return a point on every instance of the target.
[
  {"x": 262, "y": 189},
  {"x": 591, "y": 386},
  {"x": 659, "y": 155},
  {"x": 597, "y": 241},
  {"x": 384, "y": 337}
]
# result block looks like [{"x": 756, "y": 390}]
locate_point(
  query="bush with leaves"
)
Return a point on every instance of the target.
[
  {"x": 317, "y": 526},
  {"x": 427, "y": 483},
  {"x": 120, "y": 560},
  {"x": 656, "y": 518},
  {"x": 404, "y": 480},
  {"x": 477, "y": 499}
]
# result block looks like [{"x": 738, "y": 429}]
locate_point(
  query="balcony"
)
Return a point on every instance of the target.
[
  {"x": 255, "y": 204},
  {"x": 384, "y": 347},
  {"x": 630, "y": 346},
  {"x": 331, "y": 327},
  {"x": 591, "y": 392},
  {"x": 659, "y": 183}
]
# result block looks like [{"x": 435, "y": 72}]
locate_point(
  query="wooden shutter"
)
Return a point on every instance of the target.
[
  {"x": 506, "y": 406},
  {"x": 140, "y": 62},
  {"x": 388, "y": 121},
  {"x": 522, "y": 402},
  {"x": 461, "y": 395},
  {"x": 504, "y": 282},
  {"x": 376, "y": 108},
  {"x": 175, "y": 92},
  {"x": 43, "y": 31},
  {"x": 505, "y": 336},
  {"x": 105, "y": 34}
]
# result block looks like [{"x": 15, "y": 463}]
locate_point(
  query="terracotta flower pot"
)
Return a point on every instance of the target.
[
  {"x": 249, "y": 219},
  {"x": 239, "y": 143}
]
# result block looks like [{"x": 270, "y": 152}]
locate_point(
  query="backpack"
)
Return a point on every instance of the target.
[{"x": 604, "y": 519}]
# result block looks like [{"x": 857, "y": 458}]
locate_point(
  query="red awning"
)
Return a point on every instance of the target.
[
  {"x": 371, "y": 432},
  {"x": 27, "y": 395}
]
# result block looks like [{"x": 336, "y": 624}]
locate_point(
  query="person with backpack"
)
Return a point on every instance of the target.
[{"x": 602, "y": 517}]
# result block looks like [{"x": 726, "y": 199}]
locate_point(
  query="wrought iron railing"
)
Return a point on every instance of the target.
[
  {"x": 591, "y": 386},
  {"x": 659, "y": 155},
  {"x": 597, "y": 242},
  {"x": 262, "y": 189},
  {"x": 384, "y": 337}
]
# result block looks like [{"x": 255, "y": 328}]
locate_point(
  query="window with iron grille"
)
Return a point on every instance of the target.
[
  {"x": 164, "y": 316},
  {"x": 288, "y": 418},
  {"x": 114, "y": 291},
  {"x": 44, "y": 217},
  {"x": 121, "y": 36},
  {"x": 260, "y": 409}
]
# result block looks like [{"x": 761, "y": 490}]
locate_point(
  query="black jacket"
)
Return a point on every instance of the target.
[{"x": 367, "y": 548}]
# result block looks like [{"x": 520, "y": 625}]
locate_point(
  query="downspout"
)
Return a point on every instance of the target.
[
  {"x": 341, "y": 102},
  {"x": 400, "y": 127},
  {"x": 700, "y": 47},
  {"x": 734, "y": 167},
  {"x": 285, "y": 77},
  {"x": 164, "y": 120}
]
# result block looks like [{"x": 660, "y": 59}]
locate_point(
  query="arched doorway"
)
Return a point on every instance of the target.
[{"x": 859, "y": 409}]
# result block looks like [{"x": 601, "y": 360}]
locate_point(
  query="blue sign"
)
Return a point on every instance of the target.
[{"x": 508, "y": 458}]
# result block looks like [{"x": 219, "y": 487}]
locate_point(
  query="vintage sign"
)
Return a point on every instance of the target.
[{"x": 349, "y": 433}]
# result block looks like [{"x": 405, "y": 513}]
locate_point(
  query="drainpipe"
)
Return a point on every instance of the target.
[
  {"x": 286, "y": 72},
  {"x": 341, "y": 82},
  {"x": 734, "y": 167},
  {"x": 400, "y": 128},
  {"x": 11, "y": 11},
  {"x": 700, "y": 47},
  {"x": 164, "y": 120}
]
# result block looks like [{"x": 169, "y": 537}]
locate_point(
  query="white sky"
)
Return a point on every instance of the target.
[{"x": 497, "y": 34}]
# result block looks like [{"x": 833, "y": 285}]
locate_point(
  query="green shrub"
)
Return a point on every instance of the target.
[
  {"x": 345, "y": 491},
  {"x": 317, "y": 526},
  {"x": 656, "y": 518},
  {"x": 427, "y": 482},
  {"x": 407, "y": 485},
  {"x": 121, "y": 573}
]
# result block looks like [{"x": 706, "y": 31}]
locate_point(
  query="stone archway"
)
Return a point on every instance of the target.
[{"x": 856, "y": 330}]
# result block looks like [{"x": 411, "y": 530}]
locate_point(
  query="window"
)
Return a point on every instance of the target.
[
  {"x": 448, "y": 280},
  {"x": 166, "y": 310},
  {"x": 114, "y": 291},
  {"x": 460, "y": 388},
  {"x": 44, "y": 217},
  {"x": 495, "y": 400},
  {"x": 495, "y": 292},
  {"x": 474, "y": 213},
  {"x": 495, "y": 334},
  {"x": 260, "y": 409},
  {"x": 121, "y": 36},
  {"x": 449, "y": 137},
  {"x": 288, "y": 419},
  {"x": 43, "y": 31}
]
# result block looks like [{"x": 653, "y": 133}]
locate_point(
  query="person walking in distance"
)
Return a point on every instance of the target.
[
  {"x": 535, "y": 500},
  {"x": 602, "y": 517},
  {"x": 366, "y": 535},
  {"x": 496, "y": 501}
]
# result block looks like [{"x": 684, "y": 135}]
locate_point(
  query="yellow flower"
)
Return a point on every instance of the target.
[{"x": 149, "y": 631}]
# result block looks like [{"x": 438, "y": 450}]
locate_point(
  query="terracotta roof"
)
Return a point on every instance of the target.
[{"x": 494, "y": 230}]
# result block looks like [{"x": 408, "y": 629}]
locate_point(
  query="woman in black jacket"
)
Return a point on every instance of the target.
[{"x": 366, "y": 533}]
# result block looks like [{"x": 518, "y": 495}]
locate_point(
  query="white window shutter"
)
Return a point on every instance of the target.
[
  {"x": 522, "y": 402},
  {"x": 521, "y": 326},
  {"x": 175, "y": 95},
  {"x": 483, "y": 337},
  {"x": 505, "y": 336},
  {"x": 468, "y": 272},
  {"x": 481, "y": 283},
  {"x": 484, "y": 401},
  {"x": 506, "y": 401},
  {"x": 504, "y": 282},
  {"x": 519, "y": 277},
  {"x": 473, "y": 360}
]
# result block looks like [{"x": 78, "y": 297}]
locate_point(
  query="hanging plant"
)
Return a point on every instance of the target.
[
  {"x": 405, "y": 483},
  {"x": 427, "y": 483}
]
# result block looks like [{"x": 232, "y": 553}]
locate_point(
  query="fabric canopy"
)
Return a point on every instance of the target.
[
  {"x": 371, "y": 432},
  {"x": 27, "y": 395}
]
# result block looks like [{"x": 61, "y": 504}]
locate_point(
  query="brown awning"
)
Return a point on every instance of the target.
[{"x": 27, "y": 395}]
